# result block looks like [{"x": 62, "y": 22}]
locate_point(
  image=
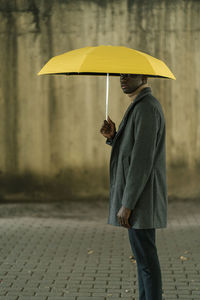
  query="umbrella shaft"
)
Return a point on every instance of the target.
[{"x": 107, "y": 89}]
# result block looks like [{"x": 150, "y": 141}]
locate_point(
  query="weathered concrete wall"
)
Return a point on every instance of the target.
[{"x": 49, "y": 126}]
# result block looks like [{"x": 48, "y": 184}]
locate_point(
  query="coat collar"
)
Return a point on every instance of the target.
[{"x": 139, "y": 97}]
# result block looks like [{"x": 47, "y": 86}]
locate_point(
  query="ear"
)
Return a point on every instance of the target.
[{"x": 144, "y": 78}]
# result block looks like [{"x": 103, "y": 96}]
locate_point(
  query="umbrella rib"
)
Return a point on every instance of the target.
[{"x": 84, "y": 57}]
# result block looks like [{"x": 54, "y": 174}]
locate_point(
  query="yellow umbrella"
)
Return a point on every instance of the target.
[{"x": 106, "y": 60}]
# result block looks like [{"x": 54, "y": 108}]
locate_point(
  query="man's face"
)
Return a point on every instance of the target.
[{"x": 130, "y": 82}]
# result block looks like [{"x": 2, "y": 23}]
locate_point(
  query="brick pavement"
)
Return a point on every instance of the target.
[{"x": 52, "y": 258}]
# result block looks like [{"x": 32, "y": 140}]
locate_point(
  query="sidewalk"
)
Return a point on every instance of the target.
[{"x": 64, "y": 251}]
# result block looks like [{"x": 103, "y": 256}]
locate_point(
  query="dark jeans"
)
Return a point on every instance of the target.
[{"x": 149, "y": 275}]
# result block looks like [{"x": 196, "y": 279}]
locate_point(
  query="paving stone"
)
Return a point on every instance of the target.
[
  {"x": 90, "y": 298},
  {"x": 60, "y": 298},
  {"x": 32, "y": 298},
  {"x": 51, "y": 262},
  {"x": 9, "y": 297}
]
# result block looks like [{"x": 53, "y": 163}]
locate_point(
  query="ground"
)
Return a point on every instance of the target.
[{"x": 66, "y": 250}]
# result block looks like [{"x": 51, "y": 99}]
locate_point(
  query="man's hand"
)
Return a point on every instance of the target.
[
  {"x": 108, "y": 128},
  {"x": 123, "y": 215}
]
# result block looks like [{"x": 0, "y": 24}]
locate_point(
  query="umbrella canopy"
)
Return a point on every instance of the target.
[
  {"x": 106, "y": 60},
  {"x": 101, "y": 60}
]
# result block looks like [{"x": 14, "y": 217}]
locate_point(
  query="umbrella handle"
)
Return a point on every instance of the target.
[{"x": 107, "y": 89}]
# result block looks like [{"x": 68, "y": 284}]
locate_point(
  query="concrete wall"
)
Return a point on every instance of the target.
[{"x": 50, "y": 143}]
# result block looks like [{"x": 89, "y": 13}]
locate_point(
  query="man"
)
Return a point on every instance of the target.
[{"x": 138, "y": 186}]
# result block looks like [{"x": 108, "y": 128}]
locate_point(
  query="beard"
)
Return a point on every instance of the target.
[{"x": 133, "y": 89}]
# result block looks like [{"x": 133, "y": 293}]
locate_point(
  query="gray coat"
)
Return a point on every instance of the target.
[{"x": 138, "y": 164}]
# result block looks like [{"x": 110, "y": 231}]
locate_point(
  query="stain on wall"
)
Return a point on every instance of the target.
[{"x": 49, "y": 125}]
